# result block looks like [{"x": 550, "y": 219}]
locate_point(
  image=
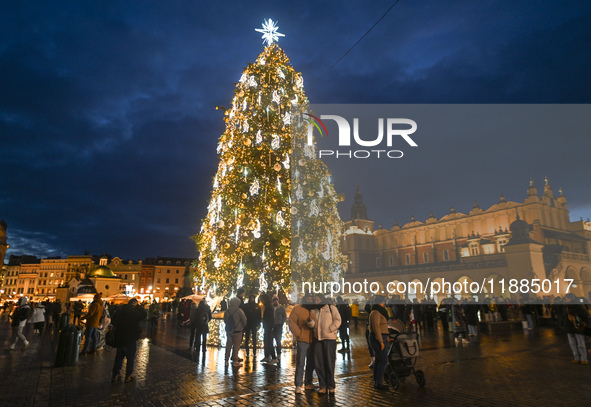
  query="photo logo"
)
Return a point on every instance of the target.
[
  {"x": 393, "y": 129},
  {"x": 315, "y": 123}
]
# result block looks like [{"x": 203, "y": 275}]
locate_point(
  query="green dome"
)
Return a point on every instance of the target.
[{"x": 102, "y": 271}]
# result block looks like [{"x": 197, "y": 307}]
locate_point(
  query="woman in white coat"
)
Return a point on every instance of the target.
[
  {"x": 325, "y": 321},
  {"x": 38, "y": 317}
]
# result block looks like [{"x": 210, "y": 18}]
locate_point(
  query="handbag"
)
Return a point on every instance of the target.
[
  {"x": 110, "y": 337},
  {"x": 577, "y": 322}
]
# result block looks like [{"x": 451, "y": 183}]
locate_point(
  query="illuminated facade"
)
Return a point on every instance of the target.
[
  {"x": 52, "y": 274},
  {"x": 477, "y": 246},
  {"x": 129, "y": 273},
  {"x": 146, "y": 283},
  {"x": 169, "y": 273}
]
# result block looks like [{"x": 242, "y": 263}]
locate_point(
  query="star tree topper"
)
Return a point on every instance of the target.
[{"x": 269, "y": 30}]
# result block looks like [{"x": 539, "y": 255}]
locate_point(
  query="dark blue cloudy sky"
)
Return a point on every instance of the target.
[{"x": 107, "y": 120}]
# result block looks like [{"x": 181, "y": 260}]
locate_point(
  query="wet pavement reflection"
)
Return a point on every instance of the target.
[{"x": 492, "y": 370}]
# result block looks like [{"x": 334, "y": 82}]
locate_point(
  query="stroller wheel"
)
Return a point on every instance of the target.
[
  {"x": 420, "y": 376},
  {"x": 392, "y": 377}
]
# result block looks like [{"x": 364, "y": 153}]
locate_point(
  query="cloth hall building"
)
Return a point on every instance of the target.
[{"x": 534, "y": 239}]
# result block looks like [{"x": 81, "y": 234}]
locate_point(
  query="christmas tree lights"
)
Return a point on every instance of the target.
[{"x": 246, "y": 237}]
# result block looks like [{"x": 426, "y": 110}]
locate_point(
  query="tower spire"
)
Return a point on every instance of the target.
[{"x": 358, "y": 210}]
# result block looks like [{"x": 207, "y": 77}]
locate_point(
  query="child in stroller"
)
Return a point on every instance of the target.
[{"x": 403, "y": 354}]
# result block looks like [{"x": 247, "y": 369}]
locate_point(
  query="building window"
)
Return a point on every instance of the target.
[
  {"x": 167, "y": 280},
  {"x": 176, "y": 280},
  {"x": 426, "y": 257},
  {"x": 168, "y": 271},
  {"x": 158, "y": 280},
  {"x": 407, "y": 258},
  {"x": 133, "y": 276},
  {"x": 391, "y": 260},
  {"x": 502, "y": 243},
  {"x": 177, "y": 271},
  {"x": 445, "y": 254},
  {"x": 474, "y": 251}
]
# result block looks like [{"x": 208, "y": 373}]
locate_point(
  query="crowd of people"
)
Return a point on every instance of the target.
[{"x": 316, "y": 324}]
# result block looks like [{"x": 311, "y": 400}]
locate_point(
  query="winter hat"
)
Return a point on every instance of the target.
[{"x": 379, "y": 299}]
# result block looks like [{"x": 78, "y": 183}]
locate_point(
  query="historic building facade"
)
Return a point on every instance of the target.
[
  {"x": 170, "y": 274},
  {"x": 481, "y": 246},
  {"x": 129, "y": 273}
]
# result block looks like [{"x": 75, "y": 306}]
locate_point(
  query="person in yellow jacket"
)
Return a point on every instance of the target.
[
  {"x": 92, "y": 317},
  {"x": 355, "y": 312}
]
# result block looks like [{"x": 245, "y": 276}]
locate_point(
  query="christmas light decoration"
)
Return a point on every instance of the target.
[{"x": 270, "y": 33}]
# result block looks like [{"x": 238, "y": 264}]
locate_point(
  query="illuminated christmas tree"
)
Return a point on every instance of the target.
[{"x": 246, "y": 237}]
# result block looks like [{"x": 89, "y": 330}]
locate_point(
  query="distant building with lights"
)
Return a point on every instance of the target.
[
  {"x": 170, "y": 275},
  {"x": 146, "y": 283},
  {"x": 129, "y": 273},
  {"x": 510, "y": 240}
]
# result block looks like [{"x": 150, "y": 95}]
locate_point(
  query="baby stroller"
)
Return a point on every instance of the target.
[{"x": 402, "y": 357}]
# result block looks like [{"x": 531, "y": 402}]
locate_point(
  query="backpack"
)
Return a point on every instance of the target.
[
  {"x": 203, "y": 318},
  {"x": 110, "y": 337},
  {"x": 230, "y": 322},
  {"x": 23, "y": 313}
]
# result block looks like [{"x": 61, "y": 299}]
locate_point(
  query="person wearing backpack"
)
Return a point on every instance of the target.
[
  {"x": 235, "y": 322},
  {"x": 202, "y": 325},
  {"x": 19, "y": 320}
]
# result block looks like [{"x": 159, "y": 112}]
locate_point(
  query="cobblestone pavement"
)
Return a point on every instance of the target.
[{"x": 510, "y": 369}]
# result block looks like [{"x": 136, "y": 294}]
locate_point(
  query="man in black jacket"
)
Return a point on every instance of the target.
[
  {"x": 345, "y": 312},
  {"x": 252, "y": 310},
  {"x": 127, "y": 331}
]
